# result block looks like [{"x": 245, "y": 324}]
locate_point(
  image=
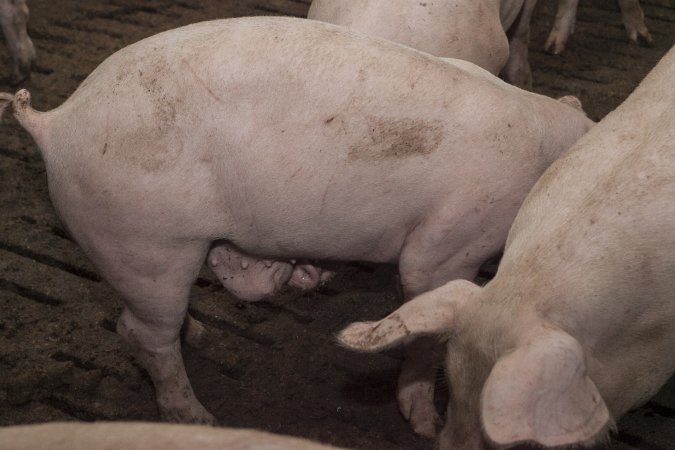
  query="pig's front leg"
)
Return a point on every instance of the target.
[
  {"x": 437, "y": 251},
  {"x": 634, "y": 21},
  {"x": 13, "y": 20},
  {"x": 563, "y": 26}
]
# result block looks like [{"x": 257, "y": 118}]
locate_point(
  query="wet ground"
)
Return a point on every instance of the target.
[{"x": 273, "y": 364}]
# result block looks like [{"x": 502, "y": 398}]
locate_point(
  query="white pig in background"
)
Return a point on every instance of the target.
[
  {"x": 13, "y": 21},
  {"x": 472, "y": 30},
  {"x": 284, "y": 138},
  {"x": 145, "y": 436},
  {"x": 578, "y": 326},
  {"x": 631, "y": 13}
]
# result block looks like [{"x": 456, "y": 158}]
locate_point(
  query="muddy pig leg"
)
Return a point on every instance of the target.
[
  {"x": 13, "y": 20},
  {"x": 432, "y": 256},
  {"x": 155, "y": 282}
]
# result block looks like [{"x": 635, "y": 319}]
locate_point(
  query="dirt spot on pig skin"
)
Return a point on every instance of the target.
[{"x": 397, "y": 138}]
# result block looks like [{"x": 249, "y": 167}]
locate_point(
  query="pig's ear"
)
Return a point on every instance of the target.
[
  {"x": 542, "y": 394},
  {"x": 432, "y": 313}
]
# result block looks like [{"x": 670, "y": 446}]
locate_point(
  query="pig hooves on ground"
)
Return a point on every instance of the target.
[{"x": 418, "y": 410}]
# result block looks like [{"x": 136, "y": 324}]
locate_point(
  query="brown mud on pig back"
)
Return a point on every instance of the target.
[{"x": 397, "y": 138}]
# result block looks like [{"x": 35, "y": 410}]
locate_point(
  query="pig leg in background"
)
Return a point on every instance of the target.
[
  {"x": 634, "y": 20},
  {"x": 631, "y": 13},
  {"x": 193, "y": 331},
  {"x": 563, "y": 26},
  {"x": 422, "y": 268},
  {"x": 155, "y": 282},
  {"x": 13, "y": 20},
  {"x": 517, "y": 69}
]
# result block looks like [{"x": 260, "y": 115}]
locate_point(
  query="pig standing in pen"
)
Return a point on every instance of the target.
[
  {"x": 13, "y": 21},
  {"x": 577, "y": 327},
  {"x": 493, "y": 34},
  {"x": 563, "y": 26},
  {"x": 270, "y": 139}
]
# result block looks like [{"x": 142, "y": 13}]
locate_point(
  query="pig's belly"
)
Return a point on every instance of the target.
[{"x": 340, "y": 240}]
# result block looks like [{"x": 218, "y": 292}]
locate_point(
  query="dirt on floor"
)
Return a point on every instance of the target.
[{"x": 273, "y": 364}]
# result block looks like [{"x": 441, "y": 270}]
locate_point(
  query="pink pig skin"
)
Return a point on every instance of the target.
[
  {"x": 576, "y": 328},
  {"x": 287, "y": 138},
  {"x": 493, "y": 34}
]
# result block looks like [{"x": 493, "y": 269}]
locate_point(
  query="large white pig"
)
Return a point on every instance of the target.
[
  {"x": 472, "y": 30},
  {"x": 281, "y": 138},
  {"x": 577, "y": 327},
  {"x": 145, "y": 436},
  {"x": 13, "y": 21},
  {"x": 566, "y": 15}
]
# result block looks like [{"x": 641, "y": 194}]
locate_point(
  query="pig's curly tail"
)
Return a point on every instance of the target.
[{"x": 20, "y": 104}]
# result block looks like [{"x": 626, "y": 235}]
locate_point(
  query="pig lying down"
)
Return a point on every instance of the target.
[
  {"x": 577, "y": 326},
  {"x": 284, "y": 139},
  {"x": 144, "y": 436},
  {"x": 13, "y": 20},
  {"x": 631, "y": 13},
  {"x": 493, "y": 34}
]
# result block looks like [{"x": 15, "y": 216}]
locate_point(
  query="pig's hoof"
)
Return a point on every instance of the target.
[
  {"x": 418, "y": 410},
  {"x": 425, "y": 423},
  {"x": 554, "y": 45}
]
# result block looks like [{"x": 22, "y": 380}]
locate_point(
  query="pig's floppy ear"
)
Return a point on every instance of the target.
[
  {"x": 542, "y": 394},
  {"x": 431, "y": 313}
]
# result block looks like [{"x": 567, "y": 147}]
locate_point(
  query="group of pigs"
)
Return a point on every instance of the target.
[{"x": 262, "y": 145}]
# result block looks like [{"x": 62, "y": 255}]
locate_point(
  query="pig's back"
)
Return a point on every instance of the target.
[
  {"x": 598, "y": 225},
  {"x": 317, "y": 130}
]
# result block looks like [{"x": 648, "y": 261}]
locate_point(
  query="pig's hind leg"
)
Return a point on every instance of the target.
[{"x": 155, "y": 282}]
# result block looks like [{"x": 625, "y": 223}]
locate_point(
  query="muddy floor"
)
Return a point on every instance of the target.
[{"x": 273, "y": 364}]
